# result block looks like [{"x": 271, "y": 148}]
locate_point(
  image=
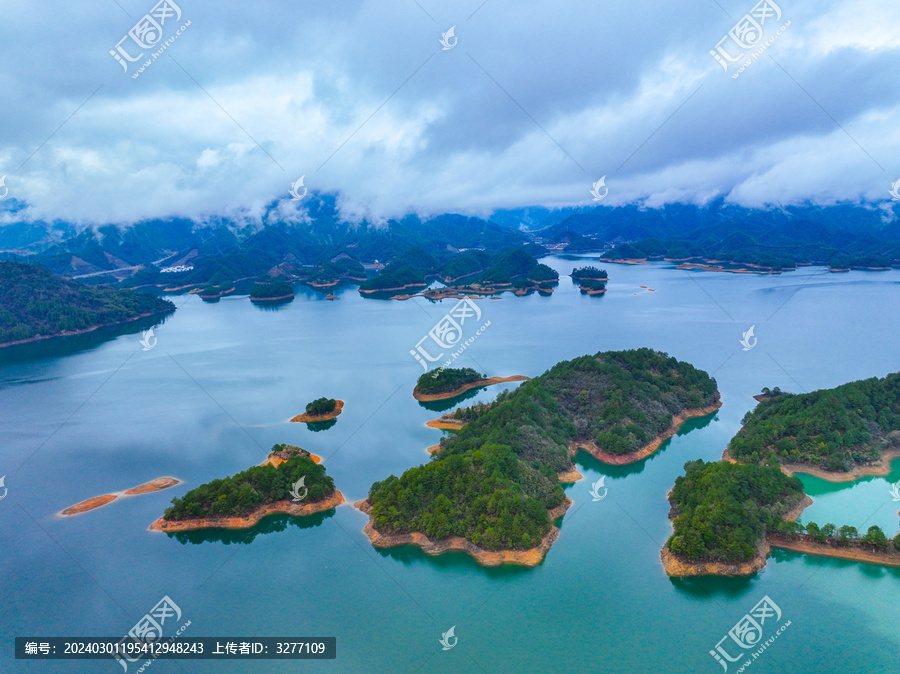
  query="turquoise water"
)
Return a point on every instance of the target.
[{"x": 217, "y": 391}]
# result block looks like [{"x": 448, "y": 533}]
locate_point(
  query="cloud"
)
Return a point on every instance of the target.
[{"x": 532, "y": 105}]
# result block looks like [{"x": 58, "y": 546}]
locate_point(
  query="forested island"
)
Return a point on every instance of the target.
[
  {"x": 493, "y": 490},
  {"x": 244, "y": 499},
  {"x": 448, "y": 382},
  {"x": 35, "y": 304},
  {"x": 590, "y": 280},
  {"x": 839, "y": 434}
]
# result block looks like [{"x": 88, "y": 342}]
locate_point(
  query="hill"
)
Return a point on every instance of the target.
[{"x": 35, "y": 304}]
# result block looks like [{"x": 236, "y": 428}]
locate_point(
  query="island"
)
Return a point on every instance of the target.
[
  {"x": 293, "y": 484},
  {"x": 728, "y": 514},
  {"x": 321, "y": 409},
  {"x": 838, "y": 434},
  {"x": 277, "y": 290},
  {"x": 721, "y": 513},
  {"x": 492, "y": 488},
  {"x": 35, "y": 305},
  {"x": 95, "y": 502},
  {"x": 448, "y": 382},
  {"x": 590, "y": 280}
]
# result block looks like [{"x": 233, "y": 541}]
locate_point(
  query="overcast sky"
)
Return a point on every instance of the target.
[{"x": 533, "y": 103}]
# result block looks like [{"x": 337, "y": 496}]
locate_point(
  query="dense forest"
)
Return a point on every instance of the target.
[
  {"x": 34, "y": 302},
  {"x": 834, "y": 429},
  {"x": 321, "y": 406},
  {"x": 243, "y": 493},
  {"x": 721, "y": 511},
  {"x": 493, "y": 481},
  {"x": 847, "y": 536},
  {"x": 447, "y": 379},
  {"x": 271, "y": 289}
]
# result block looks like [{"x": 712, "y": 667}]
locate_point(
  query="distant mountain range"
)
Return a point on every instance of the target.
[{"x": 161, "y": 254}]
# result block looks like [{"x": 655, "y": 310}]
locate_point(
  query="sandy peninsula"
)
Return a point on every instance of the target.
[
  {"x": 853, "y": 553},
  {"x": 312, "y": 418},
  {"x": 881, "y": 468},
  {"x": 429, "y": 397},
  {"x": 446, "y": 423},
  {"x": 644, "y": 452},
  {"x": 158, "y": 484},
  {"x": 285, "y": 506},
  {"x": 531, "y": 557}
]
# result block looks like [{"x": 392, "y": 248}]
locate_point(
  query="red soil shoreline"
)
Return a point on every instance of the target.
[
  {"x": 531, "y": 557},
  {"x": 285, "y": 506}
]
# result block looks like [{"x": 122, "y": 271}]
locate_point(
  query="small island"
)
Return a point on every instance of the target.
[
  {"x": 276, "y": 290},
  {"x": 590, "y": 280},
  {"x": 448, "y": 382},
  {"x": 294, "y": 484},
  {"x": 492, "y": 489},
  {"x": 35, "y": 305},
  {"x": 321, "y": 409}
]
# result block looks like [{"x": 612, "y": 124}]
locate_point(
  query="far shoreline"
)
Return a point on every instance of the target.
[{"x": 84, "y": 331}]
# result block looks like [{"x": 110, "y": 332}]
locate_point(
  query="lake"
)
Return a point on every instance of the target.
[{"x": 215, "y": 394}]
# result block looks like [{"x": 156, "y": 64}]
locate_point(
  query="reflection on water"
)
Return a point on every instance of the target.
[
  {"x": 450, "y": 403},
  {"x": 267, "y": 525},
  {"x": 318, "y": 426}
]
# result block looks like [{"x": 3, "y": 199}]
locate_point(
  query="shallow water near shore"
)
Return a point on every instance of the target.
[{"x": 224, "y": 379}]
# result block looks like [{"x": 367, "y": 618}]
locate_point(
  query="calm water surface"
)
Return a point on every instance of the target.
[{"x": 217, "y": 392}]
